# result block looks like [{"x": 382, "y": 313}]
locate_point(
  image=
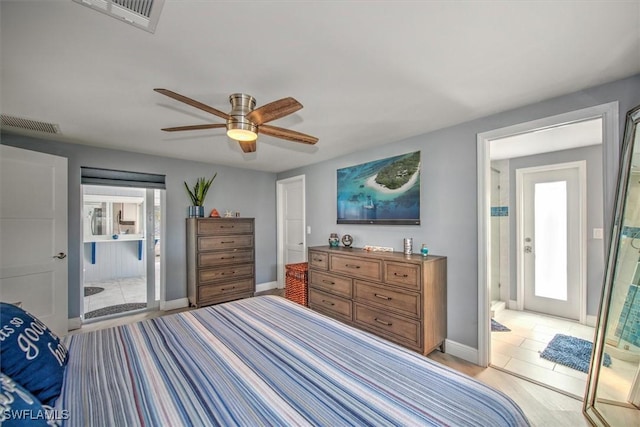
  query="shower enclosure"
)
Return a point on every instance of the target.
[
  {"x": 613, "y": 382},
  {"x": 499, "y": 234},
  {"x": 623, "y": 332}
]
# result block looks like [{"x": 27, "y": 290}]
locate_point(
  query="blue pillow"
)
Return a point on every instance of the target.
[
  {"x": 18, "y": 407},
  {"x": 31, "y": 354}
]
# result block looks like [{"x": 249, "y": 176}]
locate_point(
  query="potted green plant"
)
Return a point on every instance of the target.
[{"x": 197, "y": 194}]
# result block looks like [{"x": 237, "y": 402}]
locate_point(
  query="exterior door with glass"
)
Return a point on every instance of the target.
[{"x": 551, "y": 238}]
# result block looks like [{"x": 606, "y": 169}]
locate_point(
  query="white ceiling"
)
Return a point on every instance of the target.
[{"x": 367, "y": 72}]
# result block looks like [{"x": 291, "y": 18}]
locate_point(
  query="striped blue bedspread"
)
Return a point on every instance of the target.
[{"x": 265, "y": 361}]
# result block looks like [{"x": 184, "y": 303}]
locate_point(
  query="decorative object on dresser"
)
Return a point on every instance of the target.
[
  {"x": 370, "y": 248},
  {"x": 424, "y": 250},
  {"x": 408, "y": 245},
  {"x": 220, "y": 260},
  {"x": 334, "y": 240},
  {"x": 197, "y": 194},
  {"x": 347, "y": 240},
  {"x": 402, "y": 298}
]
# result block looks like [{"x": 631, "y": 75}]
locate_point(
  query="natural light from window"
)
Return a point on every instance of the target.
[{"x": 550, "y": 225}]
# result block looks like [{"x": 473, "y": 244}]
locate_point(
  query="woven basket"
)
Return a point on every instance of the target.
[{"x": 296, "y": 282}]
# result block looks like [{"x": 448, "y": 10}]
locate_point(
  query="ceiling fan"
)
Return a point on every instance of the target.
[{"x": 243, "y": 122}]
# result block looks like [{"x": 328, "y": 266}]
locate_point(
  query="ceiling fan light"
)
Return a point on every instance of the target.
[
  {"x": 242, "y": 134},
  {"x": 241, "y": 129}
]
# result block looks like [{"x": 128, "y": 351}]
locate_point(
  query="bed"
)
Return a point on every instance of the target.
[{"x": 264, "y": 361}]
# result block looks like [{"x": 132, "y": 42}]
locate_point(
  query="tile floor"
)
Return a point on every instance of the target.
[
  {"x": 117, "y": 291},
  {"x": 121, "y": 291},
  {"x": 518, "y": 351}
]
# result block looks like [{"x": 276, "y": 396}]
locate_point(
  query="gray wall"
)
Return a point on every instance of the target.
[
  {"x": 595, "y": 210},
  {"x": 448, "y": 194},
  {"x": 250, "y": 192}
]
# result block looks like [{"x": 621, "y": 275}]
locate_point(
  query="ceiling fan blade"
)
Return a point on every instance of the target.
[
  {"x": 195, "y": 127},
  {"x": 192, "y": 102},
  {"x": 248, "y": 146},
  {"x": 273, "y": 110},
  {"x": 287, "y": 134}
]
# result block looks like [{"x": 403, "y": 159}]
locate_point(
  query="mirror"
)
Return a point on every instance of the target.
[{"x": 613, "y": 387}]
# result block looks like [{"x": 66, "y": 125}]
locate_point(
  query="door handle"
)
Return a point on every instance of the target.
[
  {"x": 60, "y": 255},
  {"x": 528, "y": 249}
]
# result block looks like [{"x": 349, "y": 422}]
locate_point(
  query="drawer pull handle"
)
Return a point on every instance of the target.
[
  {"x": 232, "y": 241},
  {"x": 318, "y": 259},
  {"x": 383, "y": 297},
  {"x": 383, "y": 322},
  {"x": 352, "y": 266},
  {"x": 229, "y": 257},
  {"x": 400, "y": 275},
  {"x": 225, "y": 226},
  {"x": 328, "y": 282},
  {"x": 328, "y": 302},
  {"x": 228, "y": 289}
]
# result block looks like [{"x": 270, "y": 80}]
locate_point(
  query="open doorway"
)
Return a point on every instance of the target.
[
  {"x": 121, "y": 250},
  {"x": 513, "y": 334},
  {"x": 291, "y": 228}
]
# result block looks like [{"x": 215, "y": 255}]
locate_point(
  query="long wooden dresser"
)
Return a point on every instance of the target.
[
  {"x": 220, "y": 260},
  {"x": 402, "y": 298}
]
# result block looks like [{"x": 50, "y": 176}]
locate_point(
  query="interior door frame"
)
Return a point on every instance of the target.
[
  {"x": 610, "y": 158},
  {"x": 150, "y": 257},
  {"x": 581, "y": 165},
  {"x": 280, "y": 184},
  {"x": 150, "y": 272},
  {"x": 163, "y": 250}
]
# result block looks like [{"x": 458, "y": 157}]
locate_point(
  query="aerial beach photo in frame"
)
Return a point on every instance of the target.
[{"x": 385, "y": 191}]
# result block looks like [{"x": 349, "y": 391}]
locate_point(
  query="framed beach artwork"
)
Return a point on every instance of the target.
[{"x": 385, "y": 191}]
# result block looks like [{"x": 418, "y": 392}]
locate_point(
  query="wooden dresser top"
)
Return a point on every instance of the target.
[{"x": 389, "y": 256}]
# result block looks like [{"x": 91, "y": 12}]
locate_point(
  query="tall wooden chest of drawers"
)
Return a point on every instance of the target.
[
  {"x": 220, "y": 260},
  {"x": 402, "y": 298}
]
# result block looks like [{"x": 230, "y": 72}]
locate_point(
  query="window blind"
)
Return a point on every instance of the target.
[{"x": 117, "y": 178}]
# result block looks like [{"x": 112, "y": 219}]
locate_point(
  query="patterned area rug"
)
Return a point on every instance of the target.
[
  {"x": 92, "y": 290},
  {"x": 572, "y": 352},
  {"x": 498, "y": 327},
  {"x": 115, "y": 309}
]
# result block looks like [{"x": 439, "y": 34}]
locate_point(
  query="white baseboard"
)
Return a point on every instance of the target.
[
  {"x": 75, "y": 323},
  {"x": 261, "y": 287},
  {"x": 174, "y": 304},
  {"x": 513, "y": 304},
  {"x": 462, "y": 351}
]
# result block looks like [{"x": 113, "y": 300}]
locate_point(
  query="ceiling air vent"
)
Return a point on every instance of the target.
[
  {"x": 143, "y": 14},
  {"x": 28, "y": 124}
]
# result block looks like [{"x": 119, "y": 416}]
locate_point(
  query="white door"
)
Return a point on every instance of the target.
[
  {"x": 552, "y": 238},
  {"x": 291, "y": 223},
  {"x": 33, "y": 230}
]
